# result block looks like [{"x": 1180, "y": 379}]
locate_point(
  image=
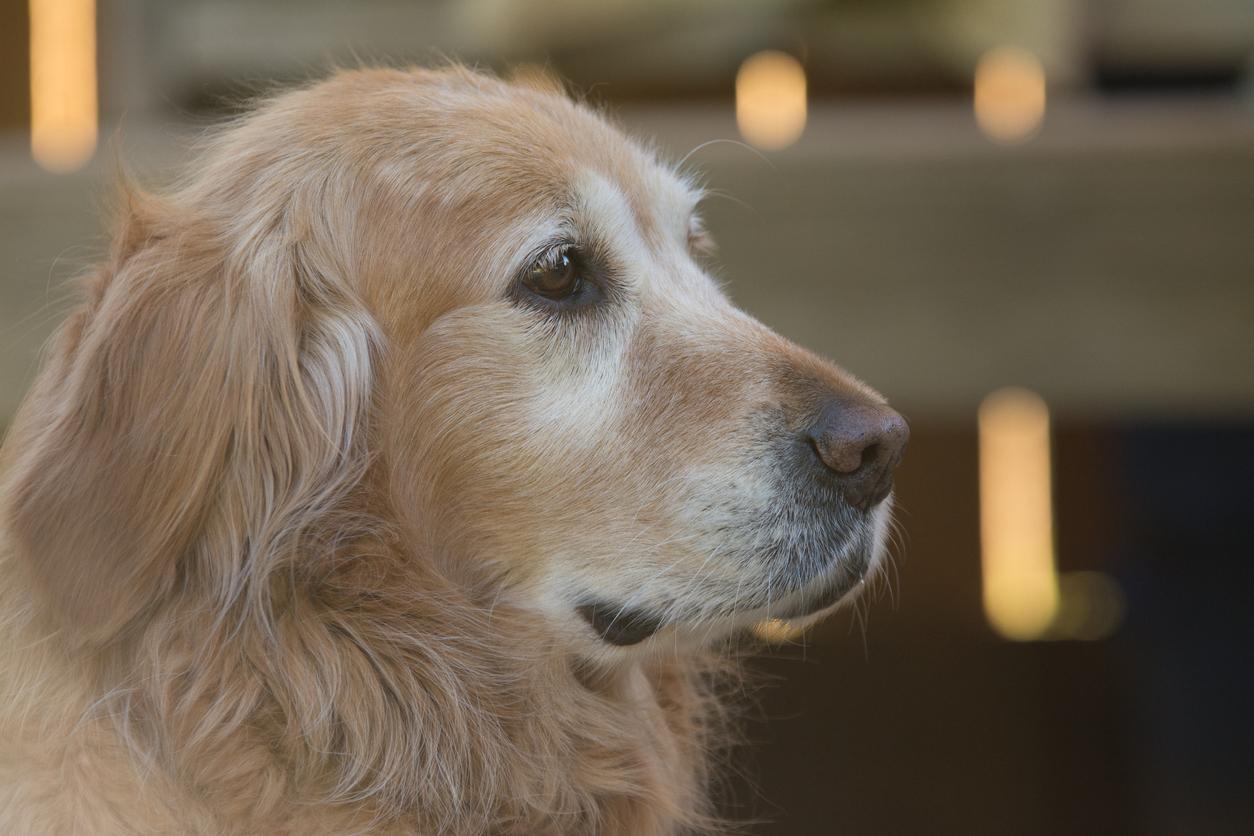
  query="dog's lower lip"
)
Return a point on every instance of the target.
[
  {"x": 828, "y": 597},
  {"x": 847, "y": 579},
  {"x": 618, "y": 625}
]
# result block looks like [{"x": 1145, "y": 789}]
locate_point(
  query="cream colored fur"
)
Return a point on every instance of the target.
[{"x": 298, "y": 512}]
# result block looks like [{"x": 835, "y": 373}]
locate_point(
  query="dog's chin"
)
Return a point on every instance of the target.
[
  {"x": 832, "y": 582},
  {"x": 846, "y": 579},
  {"x": 623, "y": 626}
]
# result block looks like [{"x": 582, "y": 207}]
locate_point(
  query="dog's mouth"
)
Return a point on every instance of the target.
[
  {"x": 622, "y": 625},
  {"x": 825, "y": 560},
  {"x": 619, "y": 625},
  {"x": 849, "y": 576}
]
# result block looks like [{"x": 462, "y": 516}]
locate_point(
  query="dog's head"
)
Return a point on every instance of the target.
[{"x": 489, "y": 303}]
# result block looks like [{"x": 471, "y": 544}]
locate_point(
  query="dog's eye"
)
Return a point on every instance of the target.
[{"x": 555, "y": 275}]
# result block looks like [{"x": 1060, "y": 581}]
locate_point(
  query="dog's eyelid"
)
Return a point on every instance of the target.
[
  {"x": 549, "y": 253},
  {"x": 549, "y": 249}
]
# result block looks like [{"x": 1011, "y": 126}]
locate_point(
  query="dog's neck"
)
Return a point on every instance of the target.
[{"x": 359, "y": 698}]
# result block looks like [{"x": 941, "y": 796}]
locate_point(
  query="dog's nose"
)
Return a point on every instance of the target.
[{"x": 860, "y": 442}]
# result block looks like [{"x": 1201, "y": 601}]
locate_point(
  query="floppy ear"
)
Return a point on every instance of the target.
[{"x": 196, "y": 415}]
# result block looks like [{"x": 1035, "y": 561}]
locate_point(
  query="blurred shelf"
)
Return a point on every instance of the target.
[{"x": 1108, "y": 263}]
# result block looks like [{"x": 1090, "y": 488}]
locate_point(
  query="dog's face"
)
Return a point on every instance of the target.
[
  {"x": 575, "y": 411},
  {"x": 483, "y": 307}
]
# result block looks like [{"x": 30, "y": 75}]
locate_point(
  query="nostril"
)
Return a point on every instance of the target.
[
  {"x": 870, "y": 455},
  {"x": 816, "y": 450},
  {"x": 836, "y": 454}
]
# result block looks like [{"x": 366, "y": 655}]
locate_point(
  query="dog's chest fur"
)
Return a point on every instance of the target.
[{"x": 327, "y": 740}]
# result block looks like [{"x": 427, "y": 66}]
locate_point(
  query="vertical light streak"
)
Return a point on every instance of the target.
[
  {"x": 1020, "y": 580},
  {"x": 63, "y": 83}
]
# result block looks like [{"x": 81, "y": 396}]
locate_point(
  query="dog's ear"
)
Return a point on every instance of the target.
[{"x": 196, "y": 413}]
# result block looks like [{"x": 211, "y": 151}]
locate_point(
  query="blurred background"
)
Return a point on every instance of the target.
[{"x": 1029, "y": 222}]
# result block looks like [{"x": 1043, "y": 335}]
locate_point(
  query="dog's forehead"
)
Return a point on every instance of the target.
[
  {"x": 548, "y": 151},
  {"x": 491, "y": 174}
]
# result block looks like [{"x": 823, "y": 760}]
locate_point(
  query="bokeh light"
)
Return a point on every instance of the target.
[
  {"x": 1009, "y": 94},
  {"x": 1016, "y": 516},
  {"x": 63, "y": 83},
  {"x": 771, "y": 100}
]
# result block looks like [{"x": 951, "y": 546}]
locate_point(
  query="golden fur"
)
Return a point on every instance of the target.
[{"x": 297, "y": 513}]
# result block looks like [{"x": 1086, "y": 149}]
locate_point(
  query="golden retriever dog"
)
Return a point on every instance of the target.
[{"x": 403, "y": 471}]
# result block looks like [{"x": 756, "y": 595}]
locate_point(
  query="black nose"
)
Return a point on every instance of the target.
[{"x": 859, "y": 442}]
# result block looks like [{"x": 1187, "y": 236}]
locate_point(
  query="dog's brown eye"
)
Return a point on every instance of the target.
[{"x": 556, "y": 275}]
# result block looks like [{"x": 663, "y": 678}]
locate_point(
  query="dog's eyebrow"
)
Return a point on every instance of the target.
[{"x": 531, "y": 236}]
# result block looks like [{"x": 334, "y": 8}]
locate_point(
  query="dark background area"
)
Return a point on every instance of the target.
[
  {"x": 930, "y": 724},
  {"x": 1102, "y": 258}
]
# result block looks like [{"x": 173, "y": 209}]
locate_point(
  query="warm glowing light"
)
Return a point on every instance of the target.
[
  {"x": 1009, "y": 94},
  {"x": 1016, "y": 518},
  {"x": 776, "y": 631},
  {"x": 771, "y": 100},
  {"x": 63, "y": 82}
]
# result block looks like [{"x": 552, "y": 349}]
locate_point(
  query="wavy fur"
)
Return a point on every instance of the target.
[{"x": 296, "y": 515}]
